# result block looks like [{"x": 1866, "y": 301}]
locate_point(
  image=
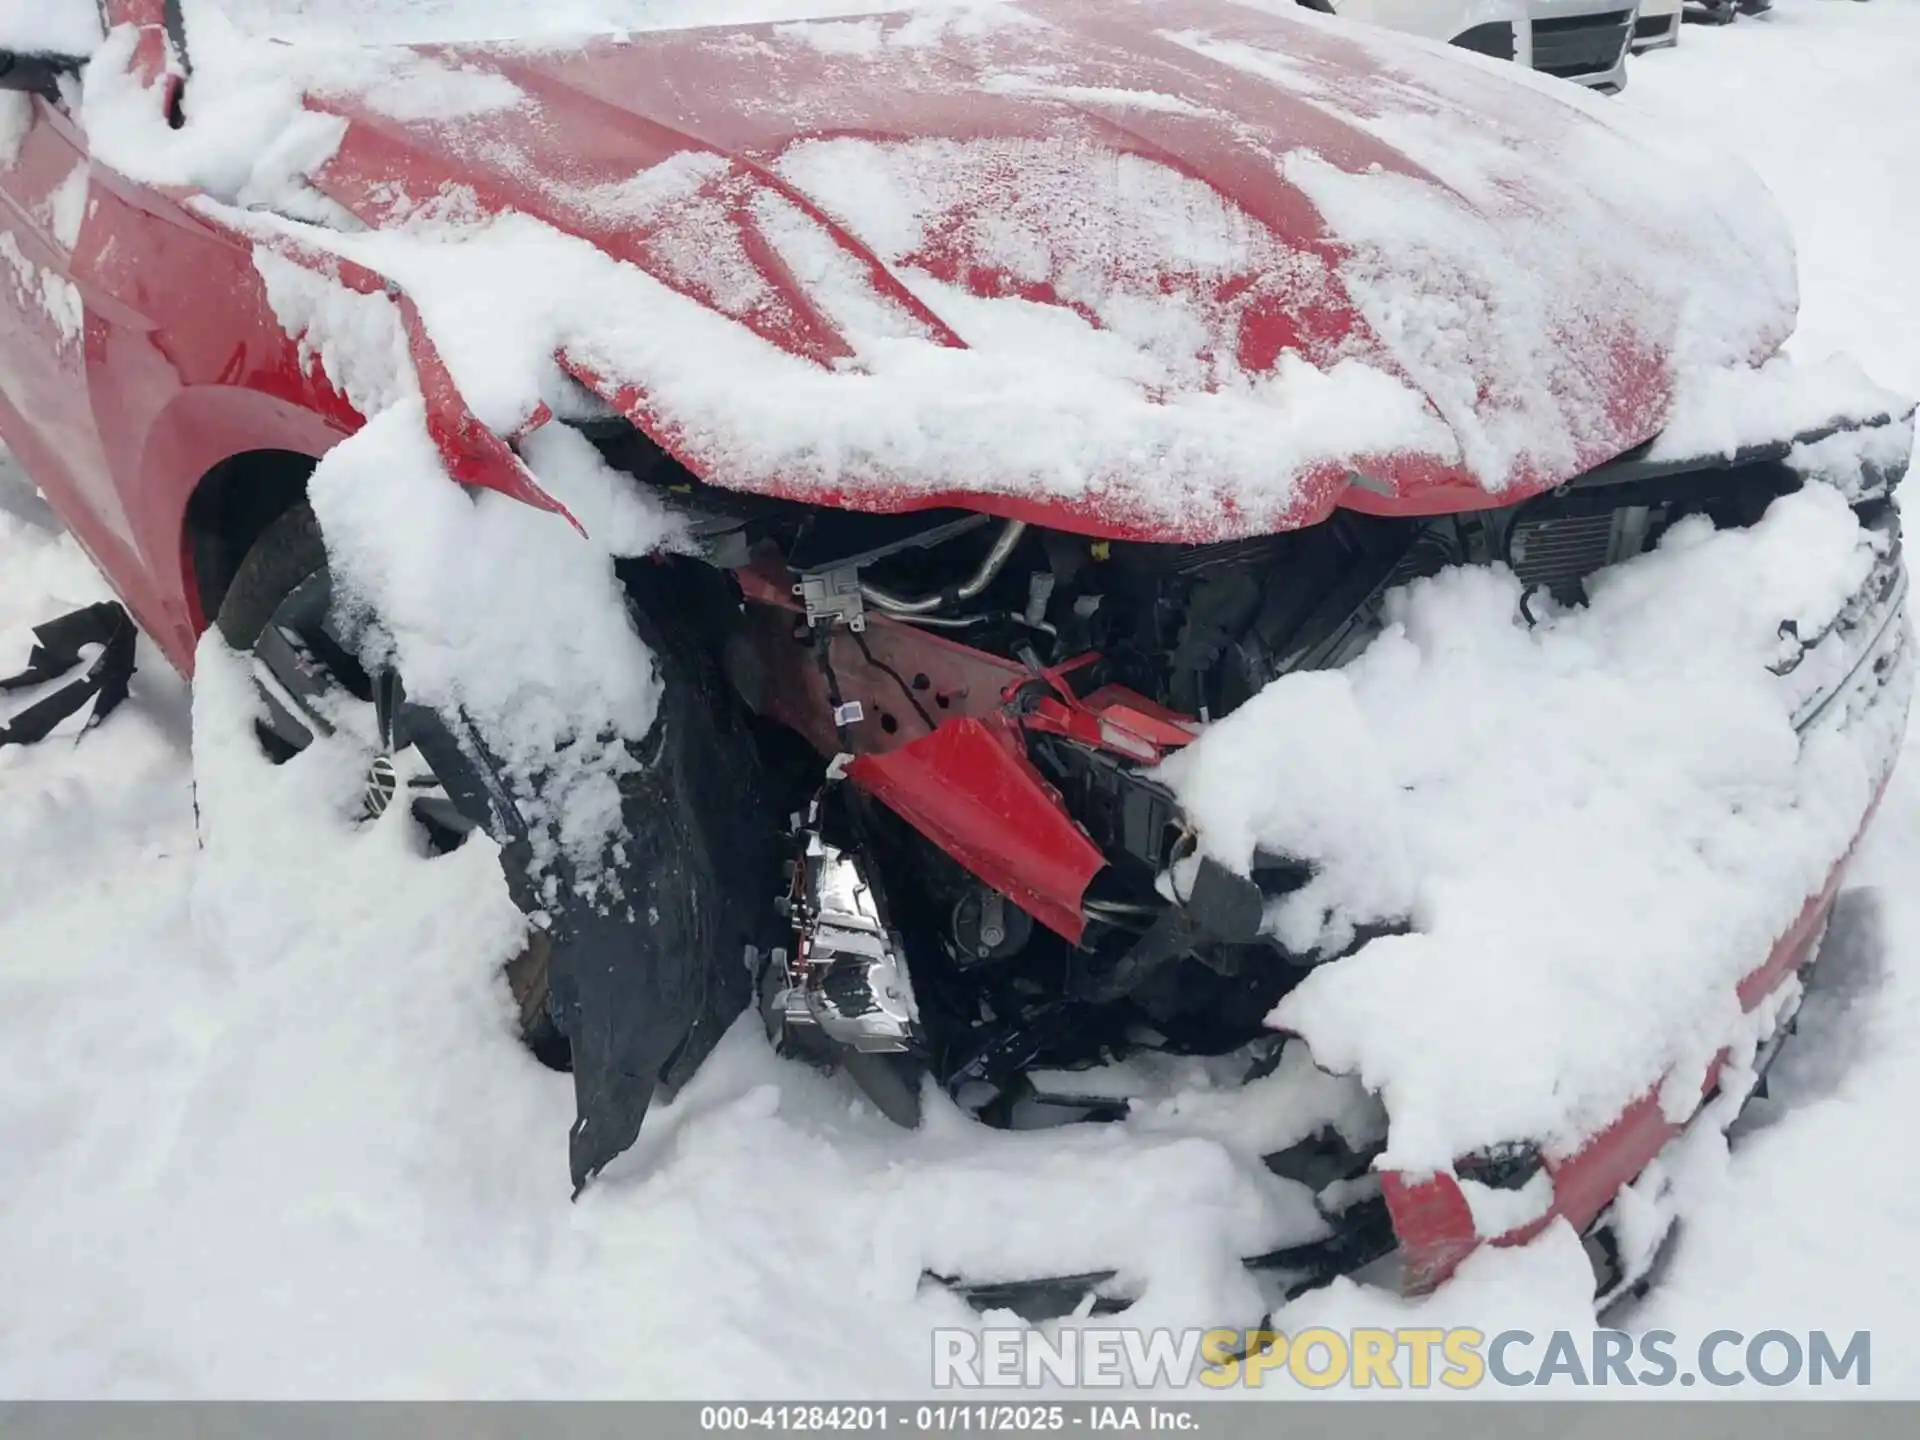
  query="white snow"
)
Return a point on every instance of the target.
[
  {"x": 66, "y": 207},
  {"x": 264, "y": 1131},
  {"x": 44, "y": 290},
  {"x": 1844, "y": 458},
  {"x": 1102, "y": 96},
  {"x": 1262, "y": 1116},
  {"x": 351, "y": 1163},
  {"x": 1501, "y": 1212},
  {"x": 1521, "y": 258},
  {"x": 1805, "y": 1220},
  {"x": 488, "y": 609},
  {"x": 1597, "y": 826},
  {"x": 1724, "y": 411},
  {"x": 49, "y": 27},
  {"x": 499, "y": 612},
  {"x": 358, "y": 340},
  {"x": 245, "y": 134}
]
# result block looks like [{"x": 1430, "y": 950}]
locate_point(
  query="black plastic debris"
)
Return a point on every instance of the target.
[{"x": 57, "y": 650}]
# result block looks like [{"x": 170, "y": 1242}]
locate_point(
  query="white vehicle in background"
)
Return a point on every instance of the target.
[
  {"x": 1725, "y": 12},
  {"x": 1491, "y": 27},
  {"x": 1585, "y": 41},
  {"x": 1658, "y": 25}
]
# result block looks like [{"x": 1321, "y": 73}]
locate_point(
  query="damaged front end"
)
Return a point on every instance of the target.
[
  {"x": 948, "y": 724},
  {"x": 992, "y": 892}
]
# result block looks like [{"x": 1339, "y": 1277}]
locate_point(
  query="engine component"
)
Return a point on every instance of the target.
[
  {"x": 839, "y": 539},
  {"x": 1558, "y": 552},
  {"x": 833, "y": 596},
  {"x": 1220, "y": 907},
  {"x": 988, "y": 926},
  {"x": 1133, "y": 820},
  {"x": 988, "y": 570}
]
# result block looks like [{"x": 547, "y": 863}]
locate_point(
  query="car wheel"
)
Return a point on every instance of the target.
[{"x": 312, "y": 683}]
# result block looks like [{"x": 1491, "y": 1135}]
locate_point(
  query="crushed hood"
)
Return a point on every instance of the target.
[{"x": 1176, "y": 269}]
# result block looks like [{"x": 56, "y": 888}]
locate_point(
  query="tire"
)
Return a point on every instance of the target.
[{"x": 289, "y": 554}]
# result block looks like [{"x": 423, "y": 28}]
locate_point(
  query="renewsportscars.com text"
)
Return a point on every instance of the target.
[{"x": 1380, "y": 1359}]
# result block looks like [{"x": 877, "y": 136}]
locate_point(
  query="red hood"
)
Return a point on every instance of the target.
[{"x": 1232, "y": 188}]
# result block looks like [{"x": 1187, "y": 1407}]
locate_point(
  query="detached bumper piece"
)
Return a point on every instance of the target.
[
  {"x": 1359, "y": 1234},
  {"x": 57, "y": 649},
  {"x": 1296, "y": 1269}
]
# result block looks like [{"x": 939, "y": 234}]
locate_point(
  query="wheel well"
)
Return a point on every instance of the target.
[{"x": 231, "y": 505}]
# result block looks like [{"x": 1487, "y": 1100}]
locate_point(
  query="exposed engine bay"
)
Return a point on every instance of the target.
[{"x": 989, "y": 886}]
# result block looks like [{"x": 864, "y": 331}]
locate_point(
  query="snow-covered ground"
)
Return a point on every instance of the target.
[{"x": 264, "y": 1130}]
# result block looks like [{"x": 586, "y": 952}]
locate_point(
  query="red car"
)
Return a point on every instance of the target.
[{"x": 972, "y": 894}]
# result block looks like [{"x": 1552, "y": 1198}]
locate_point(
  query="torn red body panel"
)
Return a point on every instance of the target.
[{"x": 970, "y": 788}]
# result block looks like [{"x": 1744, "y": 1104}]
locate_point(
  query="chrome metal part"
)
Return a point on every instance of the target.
[{"x": 847, "y": 978}]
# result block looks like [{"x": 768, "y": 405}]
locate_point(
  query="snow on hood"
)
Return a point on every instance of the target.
[
  {"x": 1596, "y": 827},
  {"x": 49, "y": 27},
  {"x": 1168, "y": 268}
]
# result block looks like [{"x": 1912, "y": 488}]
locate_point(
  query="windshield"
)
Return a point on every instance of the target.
[{"x": 390, "y": 22}]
